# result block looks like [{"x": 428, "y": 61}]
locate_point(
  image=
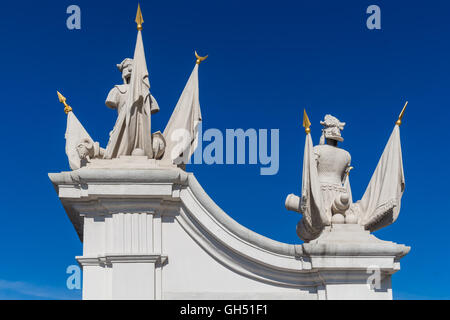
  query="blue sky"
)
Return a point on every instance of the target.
[{"x": 267, "y": 61}]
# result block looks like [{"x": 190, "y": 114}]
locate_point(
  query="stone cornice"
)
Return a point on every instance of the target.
[{"x": 119, "y": 176}]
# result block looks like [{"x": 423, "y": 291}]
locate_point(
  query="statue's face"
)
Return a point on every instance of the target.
[{"x": 126, "y": 73}]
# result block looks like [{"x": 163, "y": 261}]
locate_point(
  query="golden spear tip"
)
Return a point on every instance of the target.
[
  {"x": 200, "y": 59},
  {"x": 400, "y": 117},
  {"x": 139, "y": 18},
  {"x": 63, "y": 99},
  {"x": 306, "y": 122}
]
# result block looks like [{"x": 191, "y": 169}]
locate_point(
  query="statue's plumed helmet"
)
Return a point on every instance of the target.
[
  {"x": 125, "y": 63},
  {"x": 332, "y": 128}
]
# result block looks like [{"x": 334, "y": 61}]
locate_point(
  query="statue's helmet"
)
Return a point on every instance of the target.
[
  {"x": 126, "y": 66},
  {"x": 332, "y": 128}
]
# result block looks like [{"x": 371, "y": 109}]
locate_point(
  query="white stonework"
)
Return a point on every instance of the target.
[{"x": 154, "y": 233}]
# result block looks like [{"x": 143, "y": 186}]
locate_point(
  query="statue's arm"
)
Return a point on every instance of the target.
[
  {"x": 112, "y": 101},
  {"x": 154, "y": 107},
  {"x": 316, "y": 155}
]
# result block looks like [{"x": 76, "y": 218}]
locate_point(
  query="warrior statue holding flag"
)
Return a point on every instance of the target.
[
  {"x": 326, "y": 194},
  {"x": 135, "y": 105},
  {"x": 131, "y": 135}
]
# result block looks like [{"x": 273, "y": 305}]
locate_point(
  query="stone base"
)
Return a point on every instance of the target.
[
  {"x": 354, "y": 263},
  {"x": 154, "y": 233}
]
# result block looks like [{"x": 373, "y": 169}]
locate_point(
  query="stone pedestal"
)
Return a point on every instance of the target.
[
  {"x": 154, "y": 233},
  {"x": 353, "y": 263}
]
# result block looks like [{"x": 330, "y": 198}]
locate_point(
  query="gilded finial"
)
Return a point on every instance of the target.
[
  {"x": 400, "y": 117},
  {"x": 63, "y": 99},
  {"x": 200, "y": 59},
  {"x": 139, "y": 18},
  {"x": 306, "y": 122}
]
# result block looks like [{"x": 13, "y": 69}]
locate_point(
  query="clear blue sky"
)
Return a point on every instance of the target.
[{"x": 268, "y": 61}]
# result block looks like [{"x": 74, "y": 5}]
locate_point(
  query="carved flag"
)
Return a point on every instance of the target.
[
  {"x": 181, "y": 132},
  {"x": 314, "y": 217},
  {"x": 380, "y": 205},
  {"x": 75, "y": 133}
]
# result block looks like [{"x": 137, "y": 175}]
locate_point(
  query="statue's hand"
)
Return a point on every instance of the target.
[{"x": 293, "y": 203}]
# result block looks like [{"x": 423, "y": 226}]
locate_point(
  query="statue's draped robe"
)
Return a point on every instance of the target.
[
  {"x": 133, "y": 126},
  {"x": 181, "y": 132},
  {"x": 380, "y": 205}
]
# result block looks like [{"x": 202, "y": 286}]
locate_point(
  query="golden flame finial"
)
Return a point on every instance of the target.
[
  {"x": 306, "y": 122},
  {"x": 200, "y": 59},
  {"x": 139, "y": 18},
  {"x": 63, "y": 99},
  {"x": 400, "y": 117}
]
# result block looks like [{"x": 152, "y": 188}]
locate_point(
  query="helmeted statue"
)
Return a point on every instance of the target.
[
  {"x": 117, "y": 97},
  {"x": 326, "y": 194},
  {"x": 333, "y": 166},
  {"x": 131, "y": 135},
  {"x": 135, "y": 105}
]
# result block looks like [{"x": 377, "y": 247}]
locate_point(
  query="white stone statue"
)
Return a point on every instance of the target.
[
  {"x": 326, "y": 194},
  {"x": 131, "y": 135},
  {"x": 135, "y": 105},
  {"x": 117, "y": 97}
]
